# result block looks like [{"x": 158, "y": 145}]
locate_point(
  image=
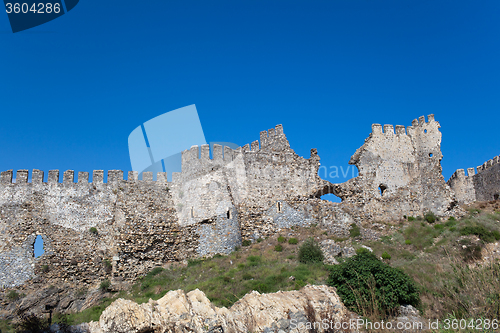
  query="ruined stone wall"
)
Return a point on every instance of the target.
[
  {"x": 483, "y": 186},
  {"x": 136, "y": 227},
  {"x": 251, "y": 180},
  {"x": 215, "y": 203},
  {"x": 399, "y": 174}
]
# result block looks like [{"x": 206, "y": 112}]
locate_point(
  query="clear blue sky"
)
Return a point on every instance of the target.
[{"x": 72, "y": 90}]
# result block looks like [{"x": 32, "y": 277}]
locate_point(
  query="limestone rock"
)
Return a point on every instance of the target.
[{"x": 177, "y": 312}]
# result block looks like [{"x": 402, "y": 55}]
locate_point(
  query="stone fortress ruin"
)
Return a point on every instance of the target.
[{"x": 121, "y": 229}]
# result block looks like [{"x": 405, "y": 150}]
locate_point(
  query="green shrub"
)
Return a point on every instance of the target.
[
  {"x": 451, "y": 218},
  {"x": 471, "y": 252},
  {"x": 259, "y": 240},
  {"x": 480, "y": 231},
  {"x": 439, "y": 227},
  {"x": 354, "y": 231},
  {"x": 411, "y": 218},
  {"x": 386, "y": 256},
  {"x": 430, "y": 217},
  {"x": 13, "y": 295},
  {"x": 281, "y": 239},
  {"x": 370, "y": 287},
  {"x": 247, "y": 276},
  {"x": 93, "y": 230},
  {"x": 450, "y": 223},
  {"x": 407, "y": 242},
  {"x": 362, "y": 250},
  {"x": 293, "y": 241},
  {"x": 254, "y": 260},
  {"x": 45, "y": 268},
  {"x": 104, "y": 286},
  {"x": 278, "y": 248},
  {"x": 107, "y": 265},
  {"x": 246, "y": 242},
  {"x": 193, "y": 262},
  {"x": 310, "y": 251}
]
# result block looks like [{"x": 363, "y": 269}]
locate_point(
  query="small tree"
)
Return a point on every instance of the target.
[
  {"x": 372, "y": 288},
  {"x": 310, "y": 251},
  {"x": 104, "y": 286}
]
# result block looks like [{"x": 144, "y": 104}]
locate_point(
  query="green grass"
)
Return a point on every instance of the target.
[
  {"x": 431, "y": 255},
  {"x": 224, "y": 283}
]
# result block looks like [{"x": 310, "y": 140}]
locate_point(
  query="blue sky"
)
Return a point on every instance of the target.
[{"x": 72, "y": 90}]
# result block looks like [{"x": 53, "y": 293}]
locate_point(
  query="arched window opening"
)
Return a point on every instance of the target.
[
  {"x": 278, "y": 206},
  {"x": 228, "y": 214},
  {"x": 382, "y": 189},
  {"x": 331, "y": 197},
  {"x": 425, "y": 131},
  {"x": 38, "y": 249},
  {"x": 430, "y": 155},
  {"x": 496, "y": 196},
  {"x": 192, "y": 212}
]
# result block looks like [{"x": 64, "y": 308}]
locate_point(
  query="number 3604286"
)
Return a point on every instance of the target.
[{"x": 36, "y": 8}]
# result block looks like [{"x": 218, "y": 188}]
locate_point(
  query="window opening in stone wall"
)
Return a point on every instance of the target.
[
  {"x": 496, "y": 196},
  {"x": 38, "y": 249},
  {"x": 382, "y": 189},
  {"x": 278, "y": 205},
  {"x": 425, "y": 131},
  {"x": 228, "y": 214},
  {"x": 192, "y": 212},
  {"x": 331, "y": 197},
  {"x": 430, "y": 155}
]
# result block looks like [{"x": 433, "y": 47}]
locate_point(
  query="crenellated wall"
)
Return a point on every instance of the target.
[
  {"x": 214, "y": 203},
  {"x": 140, "y": 224},
  {"x": 483, "y": 186}
]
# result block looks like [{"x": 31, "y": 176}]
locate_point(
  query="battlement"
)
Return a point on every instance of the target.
[
  {"x": 488, "y": 164},
  {"x": 114, "y": 176},
  {"x": 196, "y": 160},
  {"x": 388, "y": 130},
  {"x": 482, "y": 186}
]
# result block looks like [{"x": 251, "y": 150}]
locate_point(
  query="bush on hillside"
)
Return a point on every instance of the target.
[
  {"x": 354, "y": 231},
  {"x": 480, "y": 231},
  {"x": 310, "y": 251},
  {"x": 430, "y": 217},
  {"x": 372, "y": 288}
]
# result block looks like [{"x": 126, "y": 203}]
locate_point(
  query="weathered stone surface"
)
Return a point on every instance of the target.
[
  {"x": 399, "y": 174},
  {"x": 483, "y": 186},
  {"x": 176, "y": 312},
  {"x": 214, "y": 204},
  {"x": 332, "y": 251}
]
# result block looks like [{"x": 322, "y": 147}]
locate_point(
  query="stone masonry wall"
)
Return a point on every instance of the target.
[
  {"x": 483, "y": 186},
  {"x": 399, "y": 174},
  {"x": 136, "y": 227},
  {"x": 215, "y": 203}
]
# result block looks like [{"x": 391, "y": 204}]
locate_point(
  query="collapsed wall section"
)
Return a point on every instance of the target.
[{"x": 399, "y": 173}]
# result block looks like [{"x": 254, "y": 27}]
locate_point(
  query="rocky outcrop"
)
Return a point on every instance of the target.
[{"x": 292, "y": 311}]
